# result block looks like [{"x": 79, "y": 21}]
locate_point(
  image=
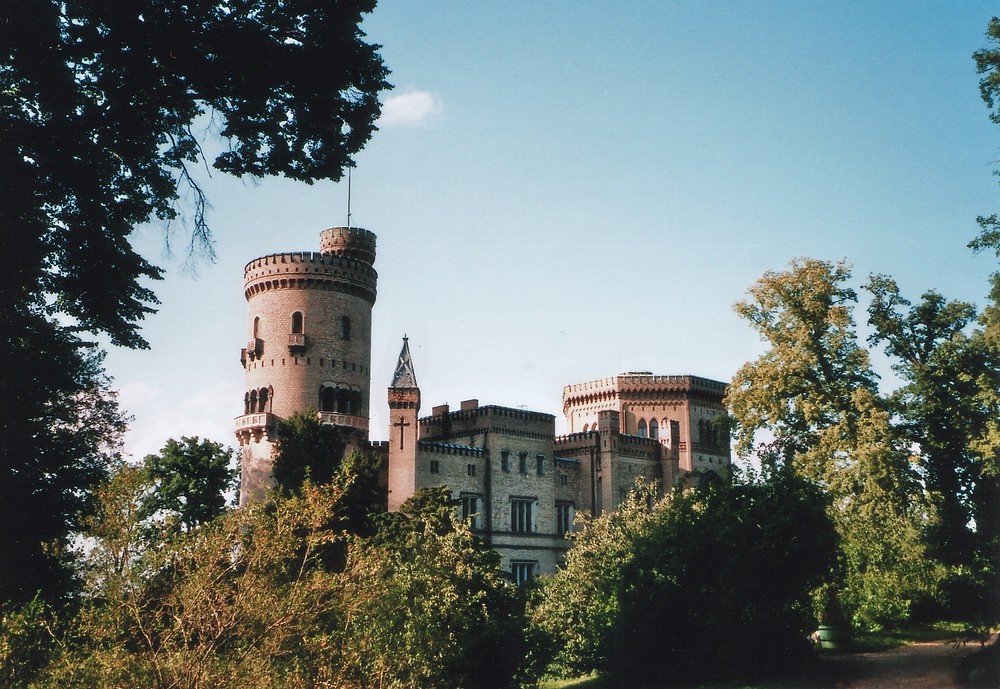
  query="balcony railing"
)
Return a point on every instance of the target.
[
  {"x": 255, "y": 347},
  {"x": 337, "y": 419},
  {"x": 249, "y": 422},
  {"x": 296, "y": 342}
]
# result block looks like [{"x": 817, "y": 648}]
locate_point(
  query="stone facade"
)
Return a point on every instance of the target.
[
  {"x": 520, "y": 485},
  {"x": 309, "y": 348},
  {"x": 308, "y": 343}
]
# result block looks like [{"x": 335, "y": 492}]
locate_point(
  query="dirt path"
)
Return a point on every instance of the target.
[{"x": 929, "y": 665}]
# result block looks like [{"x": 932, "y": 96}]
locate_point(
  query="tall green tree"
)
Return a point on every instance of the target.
[
  {"x": 97, "y": 136},
  {"x": 59, "y": 429},
  {"x": 98, "y": 104},
  {"x": 189, "y": 480},
  {"x": 708, "y": 583},
  {"x": 813, "y": 397}
]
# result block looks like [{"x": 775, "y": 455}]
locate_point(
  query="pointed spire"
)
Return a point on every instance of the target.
[{"x": 404, "y": 377}]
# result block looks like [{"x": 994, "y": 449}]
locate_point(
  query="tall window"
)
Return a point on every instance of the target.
[
  {"x": 522, "y": 462},
  {"x": 540, "y": 465},
  {"x": 521, "y": 515},
  {"x": 564, "y": 517},
  {"x": 521, "y": 572},
  {"x": 654, "y": 430},
  {"x": 246, "y": 403},
  {"x": 345, "y": 328},
  {"x": 297, "y": 323},
  {"x": 642, "y": 428},
  {"x": 470, "y": 510},
  {"x": 505, "y": 460},
  {"x": 327, "y": 399},
  {"x": 253, "y": 401},
  {"x": 470, "y": 469},
  {"x": 435, "y": 466},
  {"x": 256, "y": 327},
  {"x": 262, "y": 400}
]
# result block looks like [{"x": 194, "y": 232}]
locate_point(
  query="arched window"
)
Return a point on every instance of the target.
[
  {"x": 702, "y": 431},
  {"x": 586, "y": 427},
  {"x": 327, "y": 399},
  {"x": 246, "y": 403},
  {"x": 262, "y": 400},
  {"x": 654, "y": 429},
  {"x": 253, "y": 401},
  {"x": 256, "y": 327},
  {"x": 345, "y": 328},
  {"x": 297, "y": 323},
  {"x": 642, "y": 428}
]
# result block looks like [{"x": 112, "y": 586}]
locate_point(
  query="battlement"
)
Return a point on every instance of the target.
[
  {"x": 352, "y": 242},
  {"x": 310, "y": 270},
  {"x": 641, "y": 385}
]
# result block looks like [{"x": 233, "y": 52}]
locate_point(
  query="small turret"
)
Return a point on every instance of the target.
[{"x": 404, "y": 407}]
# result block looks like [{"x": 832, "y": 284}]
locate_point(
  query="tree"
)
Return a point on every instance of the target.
[
  {"x": 707, "y": 583},
  {"x": 59, "y": 429},
  {"x": 306, "y": 448},
  {"x": 240, "y": 602},
  {"x": 430, "y": 605},
  {"x": 97, "y": 110},
  {"x": 189, "y": 481},
  {"x": 815, "y": 395},
  {"x": 579, "y": 608},
  {"x": 97, "y": 136}
]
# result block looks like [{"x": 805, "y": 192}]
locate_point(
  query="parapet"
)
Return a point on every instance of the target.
[{"x": 353, "y": 242}]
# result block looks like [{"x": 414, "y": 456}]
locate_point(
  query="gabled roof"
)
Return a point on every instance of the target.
[{"x": 404, "y": 377}]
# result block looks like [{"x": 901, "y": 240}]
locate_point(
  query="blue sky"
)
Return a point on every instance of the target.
[{"x": 565, "y": 191}]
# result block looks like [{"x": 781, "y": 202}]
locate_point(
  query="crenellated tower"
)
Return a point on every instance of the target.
[{"x": 308, "y": 344}]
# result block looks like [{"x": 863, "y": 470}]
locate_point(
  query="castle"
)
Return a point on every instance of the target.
[{"x": 518, "y": 484}]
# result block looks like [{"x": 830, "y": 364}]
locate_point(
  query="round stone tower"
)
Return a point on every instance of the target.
[{"x": 308, "y": 344}]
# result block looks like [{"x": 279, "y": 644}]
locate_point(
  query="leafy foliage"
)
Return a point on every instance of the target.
[
  {"x": 304, "y": 449},
  {"x": 430, "y": 605},
  {"x": 707, "y": 583},
  {"x": 189, "y": 480},
  {"x": 814, "y": 394},
  {"x": 58, "y": 431},
  {"x": 99, "y": 102},
  {"x": 97, "y": 109}
]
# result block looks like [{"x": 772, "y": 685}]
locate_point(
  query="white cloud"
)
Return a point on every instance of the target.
[{"x": 410, "y": 108}]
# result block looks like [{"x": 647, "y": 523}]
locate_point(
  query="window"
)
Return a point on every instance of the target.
[
  {"x": 262, "y": 400},
  {"x": 470, "y": 510},
  {"x": 654, "y": 430},
  {"x": 521, "y": 572},
  {"x": 564, "y": 517},
  {"x": 327, "y": 399},
  {"x": 297, "y": 323},
  {"x": 505, "y": 460},
  {"x": 246, "y": 403},
  {"x": 522, "y": 462},
  {"x": 521, "y": 515},
  {"x": 563, "y": 479},
  {"x": 540, "y": 465},
  {"x": 253, "y": 401},
  {"x": 470, "y": 469},
  {"x": 345, "y": 328},
  {"x": 435, "y": 466},
  {"x": 642, "y": 428},
  {"x": 256, "y": 327}
]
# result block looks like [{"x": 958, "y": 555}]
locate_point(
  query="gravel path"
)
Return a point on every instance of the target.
[{"x": 917, "y": 666}]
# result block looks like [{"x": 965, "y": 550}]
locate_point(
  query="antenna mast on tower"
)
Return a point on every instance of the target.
[{"x": 348, "y": 197}]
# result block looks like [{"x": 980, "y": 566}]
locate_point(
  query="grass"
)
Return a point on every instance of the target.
[{"x": 872, "y": 642}]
